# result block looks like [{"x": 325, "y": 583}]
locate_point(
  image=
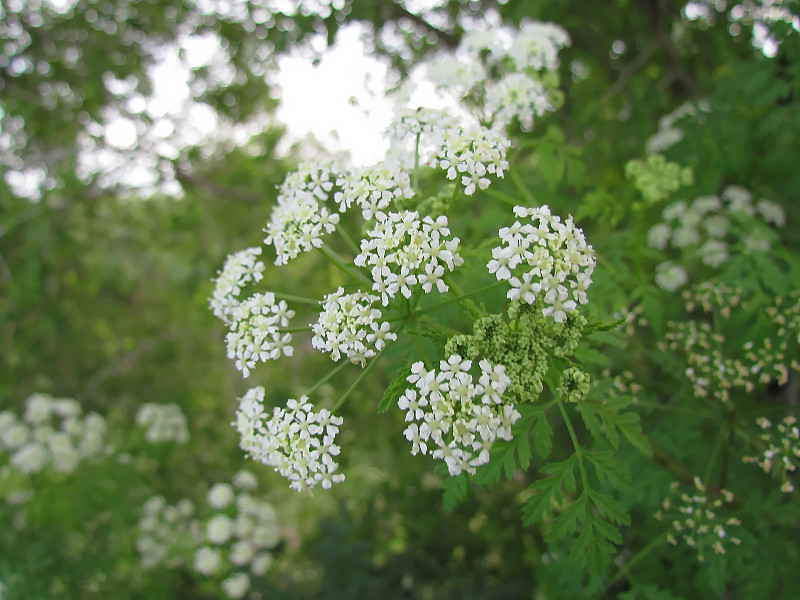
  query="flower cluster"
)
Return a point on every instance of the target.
[
  {"x": 230, "y": 545},
  {"x": 348, "y": 325},
  {"x": 519, "y": 56},
  {"x": 240, "y": 269},
  {"x": 256, "y": 334},
  {"x": 242, "y": 529},
  {"x": 373, "y": 188},
  {"x": 163, "y": 423},
  {"x": 459, "y": 417},
  {"x": 167, "y": 534},
  {"x": 782, "y": 454},
  {"x": 708, "y": 227},
  {"x": 295, "y": 441},
  {"x": 297, "y": 225},
  {"x": 697, "y": 519},
  {"x": 403, "y": 251},
  {"x": 711, "y": 373},
  {"x": 471, "y": 154},
  {"x": 51, "y": 434},
  {"x": 540, "y": 257},
  {"x": 518, "y": 96},
  {"x": 656, "y": 178},
  {"x": 668, "y": 133}
]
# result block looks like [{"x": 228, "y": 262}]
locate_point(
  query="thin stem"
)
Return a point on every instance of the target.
[
  {"x": 357, "y": 382},
  {"x": 522, "y": 187},
  {"x": 440, "y": 326},
  {"x": 712, "y": 459},
  {"x": 575, "y": 444},
  {"x": 298, "y": 299},
  {"x": 325, "y": 379},
  {"x": 625, "y": 567},
  {"x": 415, "y": 174},
  {"x": 295, "y": 329},
  {"x": 348, "y": 240},
  {"x": 445, "y": 303},
  {"x": 340, "y": 264}
]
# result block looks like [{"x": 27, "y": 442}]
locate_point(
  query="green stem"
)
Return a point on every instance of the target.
[
  {"x": 440, "y": 326},
  {"x": 298, "y": 299},
  {"x": 446, "y": 302},
  {"x": 357, "y": 382},
  {"x": 295, "y": 329},
  {"x": 325, "y": 379},
  {"x": 624, "y": 569},
  {"x": 456, "y": 190},
  {"x": 715, "y": 452},
  {"x": 522, "y": 187},
  {"x": 340, "y": 264},
  {"x": 415, "y": 174},
  {"x": 348, "y": 240},
  {"x": 575, "y": 444}
]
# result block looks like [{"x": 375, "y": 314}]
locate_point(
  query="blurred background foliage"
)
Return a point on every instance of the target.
[{"x": 104, "y": 280}]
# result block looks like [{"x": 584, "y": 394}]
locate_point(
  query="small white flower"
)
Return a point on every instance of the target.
[{"x": 207, "y": 561}]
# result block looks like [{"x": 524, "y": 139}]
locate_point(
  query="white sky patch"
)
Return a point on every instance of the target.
[{"x": 340, "y": 101}]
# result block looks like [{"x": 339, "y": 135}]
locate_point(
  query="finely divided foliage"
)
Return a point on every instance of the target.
[{"x": 486, "y": 393}]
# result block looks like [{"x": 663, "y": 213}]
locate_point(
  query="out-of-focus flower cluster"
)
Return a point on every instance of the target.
[
  {"x": 709, "y": 228},
  {"x": 781, "y": 457},
  {"x": 540, "y": 257},
  {"x": 229, "y": 545},
  {"x": 163, "y": 423},
  {"x": 52, "y": 434},
  {"x": 514, "y": 71},
  {"x": 716, "y": 369},
  {"x": 668, "y": 133},
  {"x": 699, "y": 520},
  {"x": 458, "y": 416},
  {"x": 655, "y": 178},
  {"x": 296, "y": 441}
]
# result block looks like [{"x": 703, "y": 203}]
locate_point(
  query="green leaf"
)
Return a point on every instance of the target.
[
  {"x": 609, "y": 467},
  {"x": 542, "y": 435},
  {"x": 614, "y": 422},
  {"x": 456, "y": 490},
  {"x": 567, "y": 521},
  {"x": 395, "y": 389},
  {"x": 609, "y": 508},
  {"x": 549, "y": 490},
  {"x": 591, "y": 356}
]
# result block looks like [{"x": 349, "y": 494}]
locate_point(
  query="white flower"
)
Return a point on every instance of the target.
[
  {"x": 349, "y": 325},
  {"x": 670, "y": 276},
  {"x": 236, "y": 586},
  {"x": 659, "y": 236},
  {"x": 536, "y": 45},
  {"x": 539, "y": 256},
  {"x": 164, "y": 423},
  {"x": 461, "y": 419},
  {"x": 207, "y": 561},
  {"x": 373, "y": 188},
  {"x": 240, "y": 269},
  {"x": 772, "y": 212},
  {"x": 245, "y": 480},
  {"x": 297, "y": 225},
  {"x": 261, "y": 564},
  {"x": 295, "y": 441},
  {"x": 219, "y": 529},
  {"x": 255, "y": 332},
  {"x": 403, "y": 251},
  {"x": 220, "y": 496},
  {"x": 471, "y": 154},
  {"x": 517, "y": 96}
]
